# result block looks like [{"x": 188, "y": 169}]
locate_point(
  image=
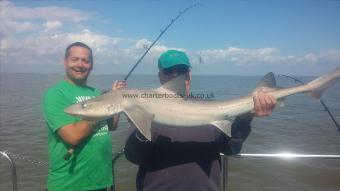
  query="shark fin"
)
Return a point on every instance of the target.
[
  {"x": 141, "y": 119},
  {"x": 268, "y": 84},
  {"x": 267, "y": 81},
  {"x": 176, "y": 85},
  {"x": 224, "y": 126}
]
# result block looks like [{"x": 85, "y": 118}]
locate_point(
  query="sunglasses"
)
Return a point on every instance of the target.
[{"x": 179, "y": 69}]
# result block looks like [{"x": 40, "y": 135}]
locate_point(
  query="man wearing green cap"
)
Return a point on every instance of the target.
[{"x": 183, "y": 159}]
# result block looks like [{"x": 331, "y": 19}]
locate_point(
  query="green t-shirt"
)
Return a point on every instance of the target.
[{"x": 90, "y": 167}]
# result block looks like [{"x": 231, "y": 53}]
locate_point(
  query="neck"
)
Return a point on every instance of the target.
[{"x": 75, "y": 81}]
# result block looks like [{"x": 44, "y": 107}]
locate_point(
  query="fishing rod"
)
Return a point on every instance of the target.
[
  {"x": 159, "y": 36},
  {"x": 71, "y": 150},
  {"x": 321, "y": 101}
]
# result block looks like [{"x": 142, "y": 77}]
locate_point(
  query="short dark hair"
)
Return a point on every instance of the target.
[{"x": 79, "y": 44}]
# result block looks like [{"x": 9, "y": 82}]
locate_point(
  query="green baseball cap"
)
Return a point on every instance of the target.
[{"x": 173, "y": 57}]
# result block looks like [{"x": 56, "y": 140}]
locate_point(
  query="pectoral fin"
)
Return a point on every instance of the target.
[
  {"x": 224, "y": 126},
  {"x": 141, "y": 118}
]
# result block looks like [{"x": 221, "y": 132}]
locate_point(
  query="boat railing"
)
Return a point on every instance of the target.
[
  {"x": 224, "y": 163},
  {"x": 13, "y": 169},
  {"x": 115, "y": 157}
]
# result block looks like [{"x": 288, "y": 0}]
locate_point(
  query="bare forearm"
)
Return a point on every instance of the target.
[{"x": 74, "y": 133}]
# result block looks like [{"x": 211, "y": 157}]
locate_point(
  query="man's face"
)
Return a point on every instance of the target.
[{"x": 78, "y": 65}]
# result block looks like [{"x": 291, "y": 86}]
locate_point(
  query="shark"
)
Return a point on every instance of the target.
[{"x": 167, "y": 105}]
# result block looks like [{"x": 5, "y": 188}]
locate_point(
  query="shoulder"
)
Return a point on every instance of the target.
[
  {"x": 52, "y": 90},
  {"x": 58, "y": 92},
  {"x": 55, "y": 89}
]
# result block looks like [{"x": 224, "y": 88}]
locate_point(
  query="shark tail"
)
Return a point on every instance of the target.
[{"x": 318, "y": 86}]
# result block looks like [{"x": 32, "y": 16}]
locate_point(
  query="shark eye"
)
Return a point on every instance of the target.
[{"x": 83, "y": 105}]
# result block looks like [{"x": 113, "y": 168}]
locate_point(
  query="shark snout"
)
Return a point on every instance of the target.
[{"x": 73, "y": 109}]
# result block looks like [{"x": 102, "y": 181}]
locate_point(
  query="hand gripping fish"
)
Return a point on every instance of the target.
[{"x": 164, "y": 105}]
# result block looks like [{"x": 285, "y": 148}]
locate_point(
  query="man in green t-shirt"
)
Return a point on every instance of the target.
[{"x": 90, "y": 166}]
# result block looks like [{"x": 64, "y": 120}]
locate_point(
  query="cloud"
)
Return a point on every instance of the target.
[
  {"x": 239, "y": 56},
  {"x": 35, "y": 36},
  {"x": 9, "y": 27},
  {"x": 16, "y": 19},
  {"x": 264, "y": 56},
  {"x": 52, "y": 25},
  {"x": 10, "y": 11},
  {"x": 39, "y": 36},
  {"x": 48, "y": 48}
]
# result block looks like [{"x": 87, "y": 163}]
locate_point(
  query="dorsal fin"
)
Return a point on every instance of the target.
[
  {"x": 176, "y": 85},
  {"x": 266, "y": 84},
  {"x": 267, "y": 81}
]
